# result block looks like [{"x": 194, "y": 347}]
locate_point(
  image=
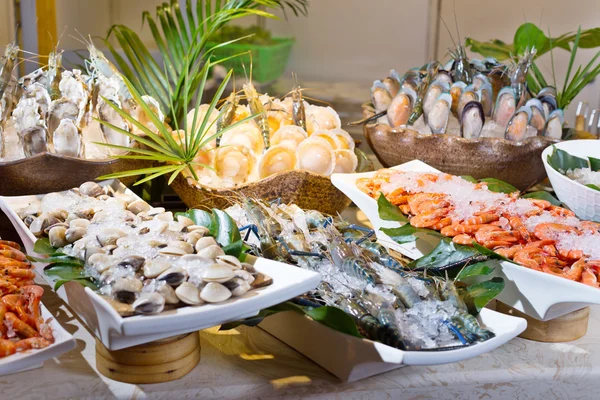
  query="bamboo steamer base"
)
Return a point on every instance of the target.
[
  {"x": 161, "y": 361},
  {"x": 562, "y": 329}
]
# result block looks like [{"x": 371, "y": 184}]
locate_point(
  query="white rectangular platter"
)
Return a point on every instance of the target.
[
  {"x": 117, "y": 332},
  {"x": 351, "y": 358},
  {"x": 537, "y": 294},
  {"x": 22, "y": 361}
]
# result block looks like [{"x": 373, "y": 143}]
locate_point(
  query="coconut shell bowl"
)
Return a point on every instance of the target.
[
  {"x": 518, "y": 163},
  {"x": 46, "y": 172},
  {"x": 308, "y": 190}
]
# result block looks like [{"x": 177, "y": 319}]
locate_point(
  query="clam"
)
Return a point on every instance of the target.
[
  {"x": 214, "y": 292},
  {"x": 39, "y": 224},
  {"x": 205, "y": 242},
  {"x": 554, "y": 125},
  {"x": 172, "y": 251},
  {"x": 288, "y": 135},
  {"x": 189, "y": 294},
  {"x": 401, "y": 107},
  {"x": 321, "y": 118},
  {"x": 109, "y": 248},
  {"x": 155, "y": 211},
  {"x": 138, "y": 206},
  {"x": 149, "y": 303},
  {"x": 506, "y": 104},
  {"x": 109, "y": 236},
  {"x": 246, "y": 135},
  {"x": 47, "y": 229},
  {"x": 168, "y": 293},
  {"x": 439, "y": 114},
  {"x": 197, "y": 228},
  {"x": 155, "y": 267},
  {"x": 433, "y": 92},
  {"x": 237, "y": 286},
  {"x": 248, "y": 267},
  {"x": 245, "y": 275},
  {"x": 134, "y": 262},
  {"x": 57, "y": 236},
  {"x": 59, "y": 214},
  {"x": 261, "y": 280},
  {"x": 126, "y": 289},
  {"x": 276, "y": 159},
  {"x": 344, "y": 139},
  {"x": 75, "y": 233},
  {"x": 517, "y": 126},
  {"x": 345, "y": 161},
  {"x": 91, "y": 189},
  {"x": 218, "y": 273},
  {"x": 34, "y": 140},
  {"x": 100, "y": 261},
  {"x": 380, "y": 96},
  {"x": 234, "y": 163},
  {"x": 229, "y": 261},
  {"x": 193, "y": 237},
  {"x": 315, "y": 155},
  {"x": 180, "y": 244},
  {"x": 173, "y": 276},
  {"x": 79, "y": 223},
  {"x": 182, "y": 219},
  {"x": 165, "y": 216},
  {"x": 473, "y": 119}
]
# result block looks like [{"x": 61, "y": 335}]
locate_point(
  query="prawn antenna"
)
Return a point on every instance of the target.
[
  {"x": 448, "y": 29},
  {"x": 456, "y": 22}
]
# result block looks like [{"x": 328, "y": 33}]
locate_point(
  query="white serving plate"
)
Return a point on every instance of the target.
[
  {"x": 30, "y": 359},
  {"x": 584, "y": 201},
  {"x": 117, "y": 332},
  {"x": 351, "y": 358},
  {"x": 537, "y": 294}
]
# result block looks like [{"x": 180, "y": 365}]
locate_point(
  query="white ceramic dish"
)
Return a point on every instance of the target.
[
  {"x": 537, "y": 294},
  {"x": 117, "y": 332},
  {"x": 584, "y": 201},
  {"x": 23, "y": 361},
  {"x": 351, "y": 358}
]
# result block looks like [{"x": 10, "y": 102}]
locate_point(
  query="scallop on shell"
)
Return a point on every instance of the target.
[
  {"x": 345, "y": 161},
  {"x": 289, "y": 135},
  {"x": 344, "y": 139},
  {"x": 316, "y": 155},
  {"x": 247, "y": 135},
  {"x": 234, "y": 162},
  {"x": 276, "y": 159},
  {"x": 318, "y": 117},
  {"x": 331, "y": 138}
]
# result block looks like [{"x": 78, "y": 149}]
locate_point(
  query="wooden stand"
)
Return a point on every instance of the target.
[
  {"x": 562, "y": 329},
  {"x": 161, "y": 361}
]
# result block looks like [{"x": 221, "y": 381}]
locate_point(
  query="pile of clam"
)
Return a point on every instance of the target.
[
  {"x": 143, "y": 259},
  {"x": 288, "y": 134}
]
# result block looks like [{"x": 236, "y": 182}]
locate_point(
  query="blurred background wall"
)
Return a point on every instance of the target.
[{"x": 356, "y": 40}]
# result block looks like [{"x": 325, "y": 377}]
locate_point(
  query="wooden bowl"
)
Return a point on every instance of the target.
[
  {"x": 519, "y": 164},
  {"x": 46, "y": 172},
  {"x": 307, "y": 190}
]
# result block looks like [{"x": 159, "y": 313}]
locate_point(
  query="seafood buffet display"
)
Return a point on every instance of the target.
[
  {"x": 283, "y": 135},
  {"x": 468, "y": 98},
  {"x": 55, "y": 110},
  {"x": 531, "y": 232},
  {"x": 22, "y": 326},
  {"x": 389, "y": 303},
  {"x": 142, "y": 260}
]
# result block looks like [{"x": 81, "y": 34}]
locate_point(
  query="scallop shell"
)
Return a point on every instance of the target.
[
  {"x": 344, "y": 139},
  {"x": 331, "y": 138},
  {"x": 321, "y": 118},
  {"x": 315, "y": 155},
  {"x": 247, "y": 135},
  {"x": 276, "y": 159},
  {"x": 345, "y": 161},
  {"x": 289, "y": 135},
  {"x": 235, "y": 163},
  {"x": 200, "y": 116}
]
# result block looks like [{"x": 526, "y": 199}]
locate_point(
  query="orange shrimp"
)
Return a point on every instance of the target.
[
  {"x": 405, "y": 209},
  {"x": 17, "y": 273},
  {"x": 425, "y": 220},
  {"x": 573, "y": 273},
  {"x": 398, "y": 197},
  {"x": 7, "y": 348},
  {"x": 543, "y": 204},
  {"x": 482, "y": 218},
  {"x": 463, "y": 238},
  {"x": 560, "y": 211},
  {"x": 588, "y": 277},
  {"x": 11, "y": 262},
  {"x": 417, "y": 199},
  {"x": 7, "y": 287},
  {"x": 426, "y": 178},
  {"x": 590, "y": 226},
  {"x": 494, "y": 238},
  {"x": 9, "y": 243},
  {"x": 22, "y": 328},
  {"x": 449, "y": 231},
  {"x": 549, "y": 230},
  {"x": 570, "y": 254},
  {"x": 444, "y": 222},
  {"x": 529, "y": 258},
  {"x": 32, "y": 343},
  {"x": 13, "y": 253},
  {"x": 509, "y": 252},
  {"x": 474, "y": 228},
  {"x": 430, "y": 205},
  {"x": 517, "y": 224}
]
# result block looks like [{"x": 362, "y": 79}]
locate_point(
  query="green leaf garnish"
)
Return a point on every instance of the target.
[
  {"x": 334, "y": 318},
  {"x": 478, "y": 295},
  {"x": 388, "y": 211},
  {"x": 43, "y": 246},
  {"x": 498, "y": 186},
  {"x": 562, "y": 161},
  {"x": 541, "y": 195},
  {"x": 471, "y": 270}
]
